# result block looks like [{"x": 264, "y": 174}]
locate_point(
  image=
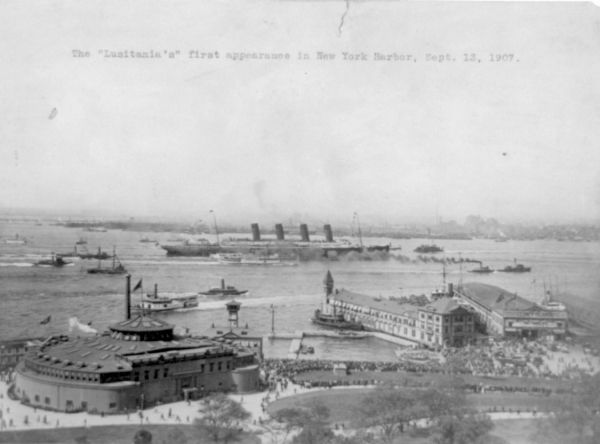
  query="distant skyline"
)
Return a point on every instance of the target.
[{"x": 397, "y": 142}]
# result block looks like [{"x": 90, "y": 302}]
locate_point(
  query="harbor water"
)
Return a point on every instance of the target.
[{"x": 29, "y": 294}]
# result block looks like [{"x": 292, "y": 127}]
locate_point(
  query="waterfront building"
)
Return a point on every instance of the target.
[
  {"x": 13, "y": 350},
  {"x": 443, "y": 322},
  {"x": 502, "y": 313},
  {"x": 139, "y": 362}
]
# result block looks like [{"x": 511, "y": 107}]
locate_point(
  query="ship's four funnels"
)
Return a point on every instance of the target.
[
  {"x": 304, "y": 233},
  {"x": 255, "y": 232},
  {"x": 328, "y": 233},
  {"x": 279, "y": 232}
]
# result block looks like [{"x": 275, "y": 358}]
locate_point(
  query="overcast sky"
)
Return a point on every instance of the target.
[{"x": 261, "y": 140}]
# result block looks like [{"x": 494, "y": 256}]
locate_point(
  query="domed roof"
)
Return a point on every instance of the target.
[{"x": 142, "y": 324}]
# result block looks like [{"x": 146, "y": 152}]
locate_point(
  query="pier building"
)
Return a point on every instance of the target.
[
  {"x": 138, "y": 363},
  {"x": 502, "y": 313},
  {"x": 443, "y": 322}
]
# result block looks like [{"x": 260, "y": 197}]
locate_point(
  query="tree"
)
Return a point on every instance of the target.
[
  {"x": 222, "y": 418},
  {"x": 577, "y": 418},
  {"x": 389, "y": 410},
  {"x": 467, "y": 428},
  {"x": 142, "y": 436},
  {"x": 310, "y": 420}
]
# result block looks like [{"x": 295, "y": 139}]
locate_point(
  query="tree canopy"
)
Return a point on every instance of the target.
[{"x": 221, "y": 418}]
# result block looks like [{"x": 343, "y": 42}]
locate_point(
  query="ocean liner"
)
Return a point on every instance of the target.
[{"x": 303, "y": 249}]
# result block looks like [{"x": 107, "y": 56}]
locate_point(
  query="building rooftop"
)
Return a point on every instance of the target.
[
  {"x": 112, "y": 353},
  {"x": 496, "y": 298},
  {"x": 444, "y": 305},
  {"x": 141, "y": 324},
  {"x": 386, "y": 305}
]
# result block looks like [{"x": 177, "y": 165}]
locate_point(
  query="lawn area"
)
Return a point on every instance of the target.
[
  {"x": 419, "y": 379},
  {"x": 342, "y": 402},
  {"x": 109, "y": 435}
]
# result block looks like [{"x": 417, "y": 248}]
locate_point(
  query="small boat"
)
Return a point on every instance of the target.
[
  {"x": 228, "y": 258},
  {"x": 335, "y": 320},
  {"x": 117, "y": 267},
  {"x": 517, "y": 268},
  {"x": 482, "y": 270},
  {"x": 17, "y": 240},
  {"x": 100, "y": 255},
  {"x": 155, "y": 302},
  {"x": 428, "y": 249},
  {"x": 147, "y": 240},
  {"x": 223, "y": 290},
  {"x": 54, "y": 261},
  {"x": 81, "y": 241}
]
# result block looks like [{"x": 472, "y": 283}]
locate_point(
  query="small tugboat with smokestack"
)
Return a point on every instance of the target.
[
  {"x": 54, "y": 261},
  {"x": 223, "y": 291},
  {"x": 117, "y": 267}
]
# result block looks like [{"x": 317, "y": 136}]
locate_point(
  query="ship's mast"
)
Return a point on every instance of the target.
[{"x": 216, "y": 228}]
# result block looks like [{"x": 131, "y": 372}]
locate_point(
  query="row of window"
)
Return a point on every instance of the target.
[
  {"x": 149, "y": 374},
  {"x": 64, "y": 374}
]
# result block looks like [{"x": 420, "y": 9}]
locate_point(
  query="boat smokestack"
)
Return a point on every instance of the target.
[
  {"x": 279, "y": 232},
  {"x": 155, "y": 291},
  {"x": 304, "y": 233},
  {"x": 450, "y": 289},
  {"x": 222, "y": 284},
  {"x": 128, "y": 297},
  {"x": 328, "y": 233},
  {"x": 255, "y": 232}
]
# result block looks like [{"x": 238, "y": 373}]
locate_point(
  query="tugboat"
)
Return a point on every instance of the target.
[
  {"x": 100, "y": 255},
  {"x": 517, "y": 268},
  {"x": 54, "y": 261},
  {"x": 328, "y": 316},
  {"x": 223, "y": 290},
  {"x": 482, "y": 269},
  {"x": 117, "y": 267}
]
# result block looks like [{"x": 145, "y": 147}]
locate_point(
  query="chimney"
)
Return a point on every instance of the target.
[
  {"x": 304, "y": 233},
  {"x": 450, "y": 289},
  {"x": 279, "y": 232},
  {"x": 128, "y": 297},
  {"x": 328, "y": 233},
  {"x": 255, "y": 232}
]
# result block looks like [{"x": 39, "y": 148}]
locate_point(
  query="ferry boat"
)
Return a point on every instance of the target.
[
  {"x": 223, "y": 290},
  {"x": 155, "y": 302},
  {"x": 335, "y": 320},
  {"x": 482, "y": 269}
]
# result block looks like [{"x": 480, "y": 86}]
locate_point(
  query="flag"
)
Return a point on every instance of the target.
[
  {"x": 138, "y": 285},
  {"x": 46, "y": 320}
]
